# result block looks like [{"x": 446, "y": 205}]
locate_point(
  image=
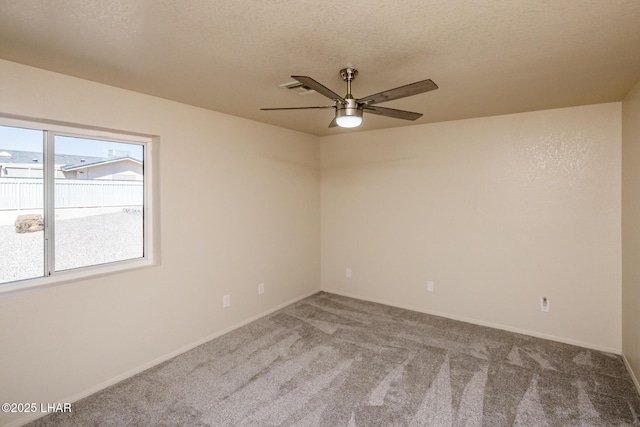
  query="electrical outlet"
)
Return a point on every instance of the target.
[
  {"x": 545, "y": 304},
  {"x": 348, "y": 273},
  {"x": 429, "y": 286},
  {"x": 226, "y": 301},
  {"x": 260, "y": 288}
]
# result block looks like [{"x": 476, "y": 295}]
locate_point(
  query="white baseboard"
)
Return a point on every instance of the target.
[
  {"x": 88, "y": 392},
  {"x": 479, "y": 322},
  {"x": 633, "y": 375}
]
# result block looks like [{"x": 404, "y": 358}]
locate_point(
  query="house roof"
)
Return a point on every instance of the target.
[
  {"x": 488, "y": 58},
  {"x": 101, "y": 162},
  {"x": 17, "y": 156}
]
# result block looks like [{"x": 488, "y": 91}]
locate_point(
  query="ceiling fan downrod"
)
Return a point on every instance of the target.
[{"x": 349, "y": 113}]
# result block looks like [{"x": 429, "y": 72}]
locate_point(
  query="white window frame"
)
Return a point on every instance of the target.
[{"x": 50, "y": 130}]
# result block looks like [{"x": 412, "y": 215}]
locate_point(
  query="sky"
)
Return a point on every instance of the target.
[{"x": 13, "y": 138}]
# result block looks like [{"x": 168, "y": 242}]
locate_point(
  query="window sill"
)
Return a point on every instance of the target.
[{"x": 85, "y": 273}]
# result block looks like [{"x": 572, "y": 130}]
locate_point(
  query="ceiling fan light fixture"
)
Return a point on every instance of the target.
[{"x": 349, "y": 121}]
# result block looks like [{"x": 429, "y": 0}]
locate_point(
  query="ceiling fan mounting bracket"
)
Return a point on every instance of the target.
[{"x": 348, "y": 74}]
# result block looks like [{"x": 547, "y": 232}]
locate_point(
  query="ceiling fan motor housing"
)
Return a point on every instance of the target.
[{"x": 349, "y": 108}]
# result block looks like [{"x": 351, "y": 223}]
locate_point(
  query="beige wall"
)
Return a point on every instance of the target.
[
  {"x": 497, "y": 211},
  {"x": 631, "y": 231},
  {"x": 246, "y": 212}
]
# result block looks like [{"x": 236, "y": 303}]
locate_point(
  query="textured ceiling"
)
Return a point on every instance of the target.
[{"x": 489, "y": 57}]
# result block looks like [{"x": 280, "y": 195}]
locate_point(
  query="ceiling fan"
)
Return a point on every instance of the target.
[{"x": 349, "y": 110}]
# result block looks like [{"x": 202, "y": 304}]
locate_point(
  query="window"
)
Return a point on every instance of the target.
[{"x": 71, "y": 200}]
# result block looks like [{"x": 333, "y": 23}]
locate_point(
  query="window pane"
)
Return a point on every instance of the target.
[
  {"x": 21, "y": 204},
  {"x": 98, "y": 199}
]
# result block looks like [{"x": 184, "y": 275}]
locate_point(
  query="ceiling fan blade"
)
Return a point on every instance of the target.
[
  {"x": 312, "y": 84},
  {"x": 399, "y": 92},
  {"x": 298, "y": 108},
  {"x": 392, "y": 112},
  {"x": 333, "y": 123}
]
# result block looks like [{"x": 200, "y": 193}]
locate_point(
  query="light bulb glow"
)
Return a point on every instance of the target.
[{"x": 348, "y": 121}]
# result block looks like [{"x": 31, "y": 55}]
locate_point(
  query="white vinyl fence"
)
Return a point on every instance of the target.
[{"x": 25, "y": 193}]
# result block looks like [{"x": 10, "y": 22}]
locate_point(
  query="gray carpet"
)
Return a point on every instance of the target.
[{"x": 334, "y": 361}]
